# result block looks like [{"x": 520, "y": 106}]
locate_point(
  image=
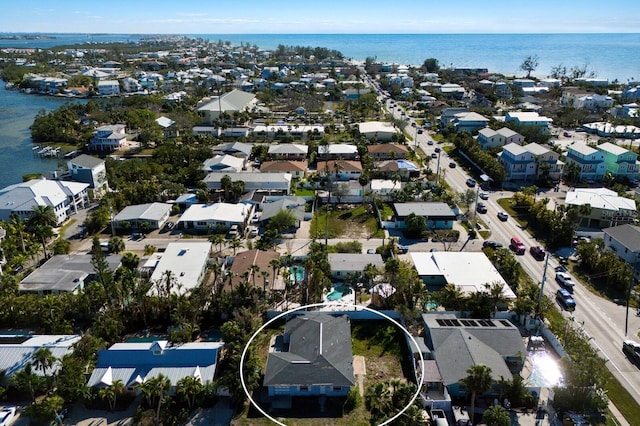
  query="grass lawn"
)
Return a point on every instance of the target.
[
  {"x": 302, "y": 192},
  {"x": 352, "y": 223}
]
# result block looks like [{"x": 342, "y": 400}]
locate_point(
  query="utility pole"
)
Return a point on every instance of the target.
[{"x": 544, "y": 278}]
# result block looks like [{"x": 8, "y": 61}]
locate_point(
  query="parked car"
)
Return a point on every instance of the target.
[
  {"x": 503, "y": 216},
  {"x": 560, "y": 268},
  {"x": 452, "y": 165},
  {"x": 233, "y": 232},
  {"x": 437, "y": 149},
  {"x": 537, "y": 252},
  {"x": 565, "y": 280},
  {"x": 471, "y": 182},
  {"x": 420, "y": 131},
  {"x": 403, "y": 249},
  {"x": 565, "y": 299},
  {"x": 483, "y": 195},
  {"x": 371, "y": 251},
  {"x": 429, "y": 142},
  {"x": 253, "y": 231},
  {"x": 7, "y": 415},
  {"x": 492, "y": 244},
  {"x": 169, "y": 225},
  {"x": 481, "y": 208},
  {"x": 434, "y": 155}
]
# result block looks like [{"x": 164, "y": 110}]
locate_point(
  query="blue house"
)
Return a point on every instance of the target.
[
  {"x": 135, "y": 363},
  {"x": 313, "y": 358}
]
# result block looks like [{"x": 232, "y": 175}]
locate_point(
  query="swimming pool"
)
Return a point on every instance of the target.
[
  {"x": 545, "y": 371},
  {"x": 338, "y": 293},
  {"x": 297, "y": 273}
]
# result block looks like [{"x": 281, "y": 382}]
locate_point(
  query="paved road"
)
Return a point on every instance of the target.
[{"x": 602, "y": 320}]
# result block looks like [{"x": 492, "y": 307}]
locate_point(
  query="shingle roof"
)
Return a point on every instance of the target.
[
  {"x": 319, "y": 352},
  {"x": 434, "y": 209},
  {"x": 86, "y": 161},
  {"x": 627, "y": 235},
  {"x": 149, "y": 211}
]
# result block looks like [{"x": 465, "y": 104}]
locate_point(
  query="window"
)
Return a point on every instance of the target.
[
  {"x": 281, "y": 390},
  {"x": 337, "y": 388},
  {"x": 304, "y": 388}
]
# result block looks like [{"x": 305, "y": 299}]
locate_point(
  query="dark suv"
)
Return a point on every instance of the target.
[{"x": 537, "y": 252}]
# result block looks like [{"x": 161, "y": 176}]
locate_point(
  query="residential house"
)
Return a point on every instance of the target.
[
  {"x": 580, "y": 99},
  {"x": 449, "y": 114},
  {"x": 109, "y": 138},
  {"x": 68, "y": 273},
  {"x": 215, "y": 216},
  {"x": 625, "y": 241},
  {"x": 144, "y": 217},
  {"x": 137, "y": 362},
  {"x": 340, "y": 169},
  {"x": 354, "y": 93},
  {"x": 182, "y": 267},
  {"x": 297, "y": 169},
  {"x": 630, "y": 110},
  {"x": 288, "y": 151},
  {"x": 459, "y": 344},
  {"x": 237, "y": 149},
  {"x": 609, "y": 130},
  {"x": 384, "y": 187},
  {"x": 345, "y": 264},
  {"x": 87, "y": 169},
  {"x": 529, "y": 119},
  {"x": 256, "y": 268},
  {"x": 605, "y": 207},
  {"x": 65, "y": 198},
  {"x": 131, "y": 85},
  {"x": 377, "y": 130},
  {"x": 295, "y": 205},
  {"x": 394, "y": 169},
  {"x": 16, "y": 351},
  {"x": 468, "y": 271},
  {"x": 169, "y": 130},
  {"x": 185, "y": 200},
  {"x": 313, "y": 358},
  {"x": 451, "y": 90},
  {"x": 469, "y": 122},
  {"x": 229, "y": 103},
  {"x": 620, "y": 162},
  {"x": 387, "y": 151},
  {"x": 489, "y": 138},
  {"x": 518, "y": 162},
  {"x": 295, "y": 131},
  {"x": 108, "y": 88},
  {"x": 589, "y": 161},
  {"x": 437, "y": 215},
  {"x": 338, "y": 151},
  {"x": 223, "y": 164},
  {"x": 253, "y": 181},
  {"x": 548, "y": 163}
]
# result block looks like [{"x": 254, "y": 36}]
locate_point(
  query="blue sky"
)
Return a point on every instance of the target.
[{"x": 328, "y": 16}]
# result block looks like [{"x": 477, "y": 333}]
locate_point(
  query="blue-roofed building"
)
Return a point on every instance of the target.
[{"x": 135, "y": 363}]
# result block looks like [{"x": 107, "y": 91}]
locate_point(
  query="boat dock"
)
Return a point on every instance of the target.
[{"x": 47, "y": 152}]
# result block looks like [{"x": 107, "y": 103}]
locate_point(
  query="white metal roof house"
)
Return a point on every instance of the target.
[
  {"x": 135, "y": 363},
  {"x": 153, "y": 214},
  {"x": 343, "y": 264},
  {"x": 207, "y": 217},
  {"x": 234, "y": 101},
  {"x": 529, "y": 119},
  {"x": 64, "y": 197},
  {"x": 379, "y": 130},
  {"x": 186, "y": 261},
  {"x": 343, "y": 151},
  {"x": 254, "y": 181},
  {"x": 223, "y": 163},
  {"x": 68, "y": 273},
  {"x": 109, "y": 138},
  {"x": 607, "y": 208},
  {"x": 16, "y": 352},
  {"x": 288, "y": 151},
  {"x": 469, "y": 271}
]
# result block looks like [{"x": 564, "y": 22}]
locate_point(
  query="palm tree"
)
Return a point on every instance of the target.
[
  {"x": 451, "y": 297},
  {"x": 43, "y": 215},
  {"x": 110, "y": 393},
  {"x": 43, "y": 359},
  {"x": 235, "y": 244},
  {"x": 217, "y": 239},
  {"x": 44, "y": 232},
  {"x": 254, "y": 271},
  {"x": 116, "y": 245},
  {"x": 478, "y": 381},
  {"x": 226, "y": 184},
  {"x": 189, "y": 388},
  {"x": 155, "y": 390},
  {"x": 18, "y": 225}
]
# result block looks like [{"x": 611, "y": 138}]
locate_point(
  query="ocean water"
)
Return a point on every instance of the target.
[{"x": 611, "y": 56}]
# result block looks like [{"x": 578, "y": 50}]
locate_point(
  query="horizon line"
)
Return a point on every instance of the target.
[{"x": 323, "y": 33}]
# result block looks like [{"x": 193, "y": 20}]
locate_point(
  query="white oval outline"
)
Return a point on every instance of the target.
[{"x": 315, "y": 305}]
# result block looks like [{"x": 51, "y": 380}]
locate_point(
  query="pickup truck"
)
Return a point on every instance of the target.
[{"x": 565, "y": 280}]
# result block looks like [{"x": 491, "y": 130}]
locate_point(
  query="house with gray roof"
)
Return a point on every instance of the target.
[
  {"x": 68, "y": 273},
  {"x": 438, "y": 215},
  {"x": 135, "y": 363},
  {"x": 16, "y": 352},
  {"x": 237, "y": 149},
  {"x": 133, "y": 217},
  {"x": 343, "y": 264},
  {"x": 458, "y": 344},
  {"x": 88, "y": 169},
  {"x": 234, "y": 101},
  {"x": 223, "y": 164},
  {"x": 313, "y": 358},
  {"x": 295, "y": 205},
  {"x": 288, "y": 151},
  {"x": 625, "y": 241},
  {"x": 253, "y": 181}
]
